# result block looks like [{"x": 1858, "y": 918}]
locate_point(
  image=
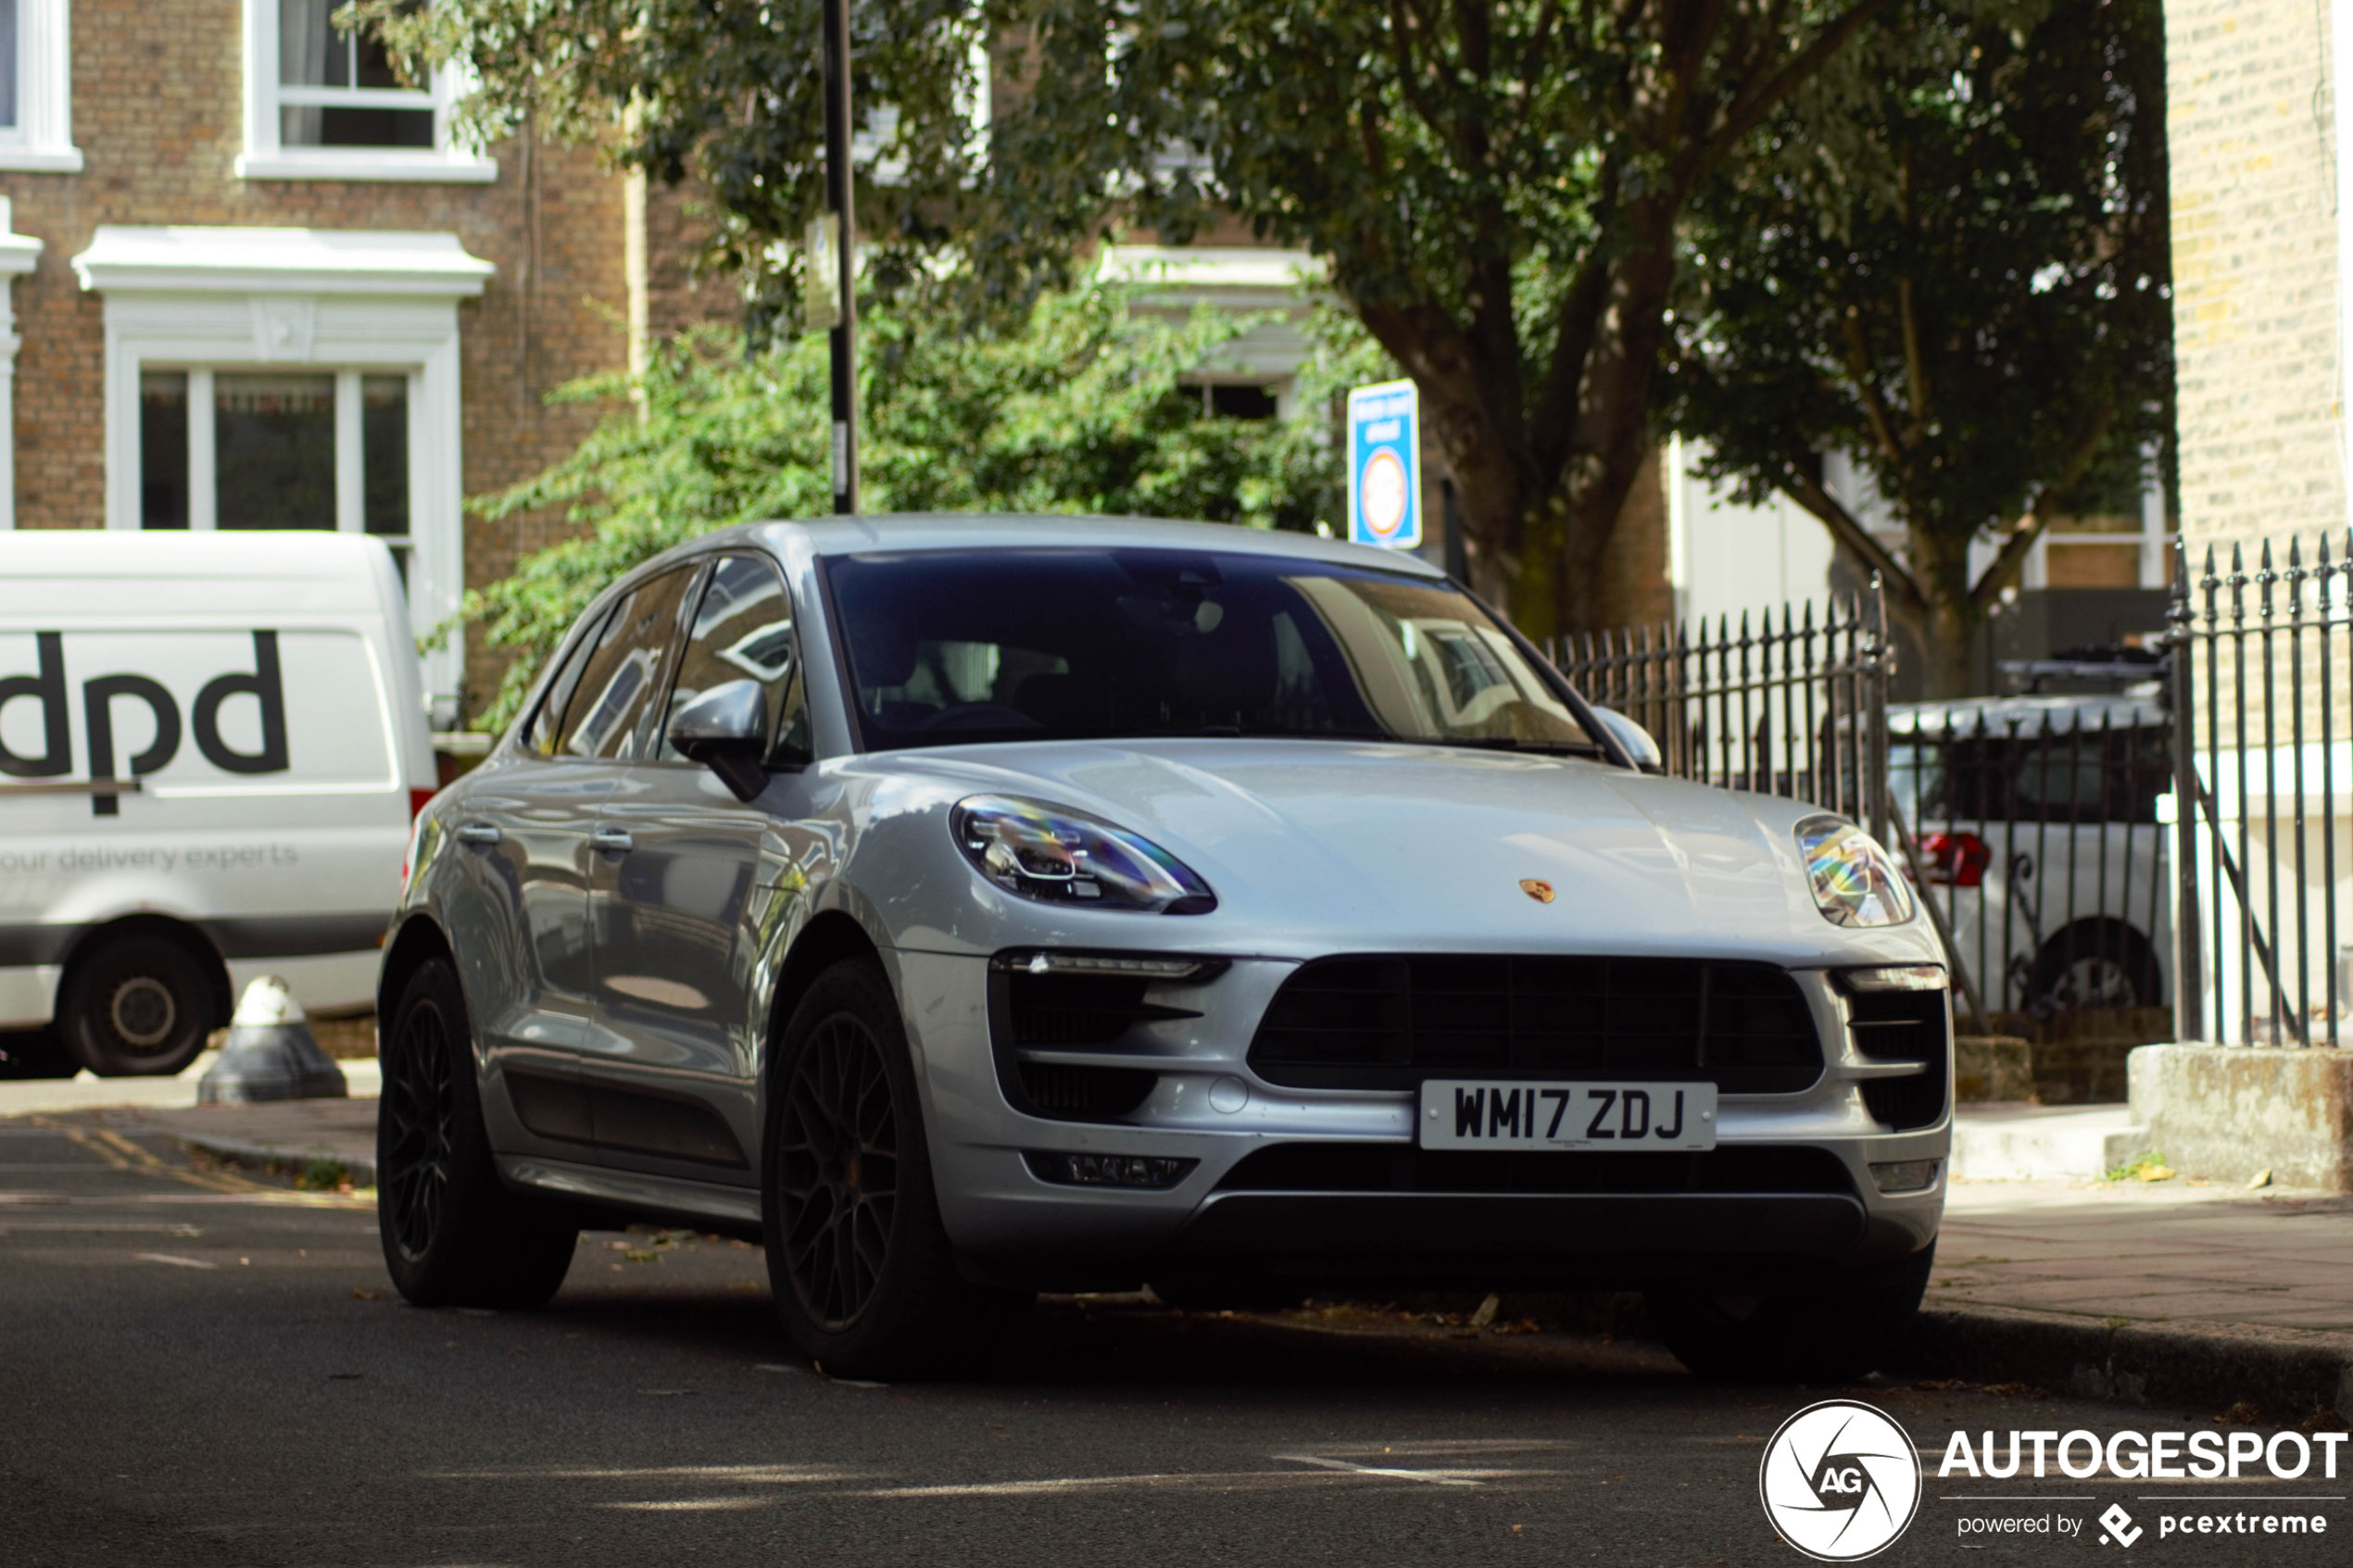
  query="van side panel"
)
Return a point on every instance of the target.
[{"x": 238, "y": 755}]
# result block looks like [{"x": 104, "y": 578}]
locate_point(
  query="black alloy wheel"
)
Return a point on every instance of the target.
[
  {"x": 840, "y": 1176},
  {"x": 420, "y": 1102},
  {"x": 453, "y": 1235},
  {"x": 865, "y": 1277}
]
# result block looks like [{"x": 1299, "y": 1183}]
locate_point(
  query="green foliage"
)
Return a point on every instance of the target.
[
  {"x": 1077, "y": 409},
  {"x": 1495, "y": 185},
  {"x": 1953, "y": 265}
]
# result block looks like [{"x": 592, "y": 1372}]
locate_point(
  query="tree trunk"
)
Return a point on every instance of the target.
[
  {"x": 1540, "y": 494},
  {"x": 1946, "y": 619}
]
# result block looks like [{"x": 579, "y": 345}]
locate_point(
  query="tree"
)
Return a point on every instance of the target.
[
  {"x": 1496, "y": 185},
  {"x": 1955, "y": 266},
  {"x": 1078, "y": 407}
]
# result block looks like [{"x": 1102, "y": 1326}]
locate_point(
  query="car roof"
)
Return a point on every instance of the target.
[
  {"x": 2063, "y": 711},
  {"x": 942, "y": 531}
]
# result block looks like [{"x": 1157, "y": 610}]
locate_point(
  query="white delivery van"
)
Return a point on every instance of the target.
[{"x": 211, "y": 749}]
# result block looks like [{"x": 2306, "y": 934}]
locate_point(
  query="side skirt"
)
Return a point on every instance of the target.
[{"x": 730, "y": 1210}]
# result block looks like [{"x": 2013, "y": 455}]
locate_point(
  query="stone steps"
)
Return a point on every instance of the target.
[{"x": 2013, "y": 1141}]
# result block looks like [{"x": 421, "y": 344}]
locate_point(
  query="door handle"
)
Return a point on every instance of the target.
[
  {"x": 482, "y": 834},
  {"x": 612, "y": 841}
]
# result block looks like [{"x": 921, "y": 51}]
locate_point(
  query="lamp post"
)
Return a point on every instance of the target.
[{"x": 845, "y": 237}]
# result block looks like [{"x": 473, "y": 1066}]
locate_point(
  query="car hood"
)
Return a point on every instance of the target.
[{"x": 1334, "y": 843}]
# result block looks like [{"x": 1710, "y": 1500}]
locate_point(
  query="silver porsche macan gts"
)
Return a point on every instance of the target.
[{"x": 967, "y": 906}]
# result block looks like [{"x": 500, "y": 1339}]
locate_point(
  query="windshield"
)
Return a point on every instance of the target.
[{"x": 949, "y": 646}]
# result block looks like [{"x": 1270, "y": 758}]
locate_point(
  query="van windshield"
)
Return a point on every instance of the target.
[{"x": 948, "y": 648}]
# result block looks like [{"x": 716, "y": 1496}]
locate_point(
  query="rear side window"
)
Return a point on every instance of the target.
[
  {"x": 743, "y": 630},
  {"x": 548, "y": 723},
  {"x": 621, "y": 680}
]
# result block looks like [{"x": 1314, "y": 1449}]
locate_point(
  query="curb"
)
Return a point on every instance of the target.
[
  {"x": 2287, "y": 1373},
  {"x": 278, "y": 1157}
]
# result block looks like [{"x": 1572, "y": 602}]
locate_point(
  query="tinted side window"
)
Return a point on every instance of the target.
[
  {"x": 743, "y": 630},
  {"x": 539, "y": 735},
  {"x": 623, "y": 679}
]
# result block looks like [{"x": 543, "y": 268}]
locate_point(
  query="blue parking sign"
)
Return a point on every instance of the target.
[{"x": 1385, "y": 465}]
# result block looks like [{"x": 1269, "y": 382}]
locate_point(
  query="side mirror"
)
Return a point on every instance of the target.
[
  {"x": 1632, "y": 739},
  {"x": 726, "y": 730}
]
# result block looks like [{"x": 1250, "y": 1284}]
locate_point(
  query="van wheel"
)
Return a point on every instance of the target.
[
  {"x": 453, "y": 1235},
  {"x": 2100, "y": 962},
  {"x": 1833, "y": 1333},
  {"x": 865, "y": 1277},
  {"x": 139, "y": 1006}
]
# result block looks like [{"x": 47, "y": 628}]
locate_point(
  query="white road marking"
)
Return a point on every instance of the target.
[
  {"x": 749, "y": 1474},
  {"x": 1435, "y": 1477},
  {"x": 176, "y": 1262},
  {"x": 96, "y": 1227}
]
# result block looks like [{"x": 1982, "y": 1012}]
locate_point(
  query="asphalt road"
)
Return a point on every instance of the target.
[{"x": 203, "y": 1370}]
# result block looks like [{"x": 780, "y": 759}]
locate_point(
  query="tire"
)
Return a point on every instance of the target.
[
  {"x": 136, "y": 1007},
  {"x": 453, "y": 1235},
  {"x": 2100, "y": 962},
  {"x": 35, "y": 1053},
  {"x": 862, "y": 1272},
  {"x": 1832, "y": 1335}
]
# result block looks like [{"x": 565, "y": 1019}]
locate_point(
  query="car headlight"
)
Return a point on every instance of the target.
[
  {"x": 1854, "y": 881},
  {"x": 1062, "y": 857}
]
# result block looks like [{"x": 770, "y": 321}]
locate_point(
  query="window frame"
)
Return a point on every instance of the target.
[
  {"x": 267, "y": 157},
  {"x": 42, "y": 140}
]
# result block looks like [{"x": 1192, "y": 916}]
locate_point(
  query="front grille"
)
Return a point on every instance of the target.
[
  {"x": 1374, "y": 1167},
  {"x": 1902, "y": 1026},
  {"x": 1388, "y": 1022}
]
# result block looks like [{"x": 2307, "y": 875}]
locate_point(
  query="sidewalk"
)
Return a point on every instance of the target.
[
  {"x": 2149, "y": 1293},
  {"x": 87, "y": 1091},
  {"x": 281, "y": 1134}
]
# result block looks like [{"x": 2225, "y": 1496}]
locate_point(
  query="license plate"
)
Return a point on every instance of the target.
[{"x": 1469, "y": 1114}]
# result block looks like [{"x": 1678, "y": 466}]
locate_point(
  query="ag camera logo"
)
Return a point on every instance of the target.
[{"x": 1840, "y": 1480}]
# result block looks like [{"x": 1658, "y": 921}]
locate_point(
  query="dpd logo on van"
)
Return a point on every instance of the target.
[
  {"x": 1840, "y": 1480},
  {"x": 48, "y": 690}
]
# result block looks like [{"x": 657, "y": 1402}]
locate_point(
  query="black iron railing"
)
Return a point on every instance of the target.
[
  {"x": 2255, "y": 676},
  {"x": 1791, "y": 708}
]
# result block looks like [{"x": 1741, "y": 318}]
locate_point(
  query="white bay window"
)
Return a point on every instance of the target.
[{"x": 292, "y": 378}]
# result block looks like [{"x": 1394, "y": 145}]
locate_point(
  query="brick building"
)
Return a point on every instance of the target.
[
  {"x": 2261, "y": 283},
  {"x": 255, "y": 285}
]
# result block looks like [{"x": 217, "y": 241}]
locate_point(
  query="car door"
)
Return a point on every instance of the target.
[
  {"x": 687, "y": 893},
  {"x": 534, "y": 824},
  {"x": 517, "y": 903}
]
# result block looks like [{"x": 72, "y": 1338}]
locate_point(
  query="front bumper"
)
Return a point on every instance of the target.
[{"x": 1429, "y": 1223}]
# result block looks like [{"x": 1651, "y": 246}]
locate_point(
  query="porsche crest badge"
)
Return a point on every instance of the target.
[{"x": 1540, "y": 891}]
